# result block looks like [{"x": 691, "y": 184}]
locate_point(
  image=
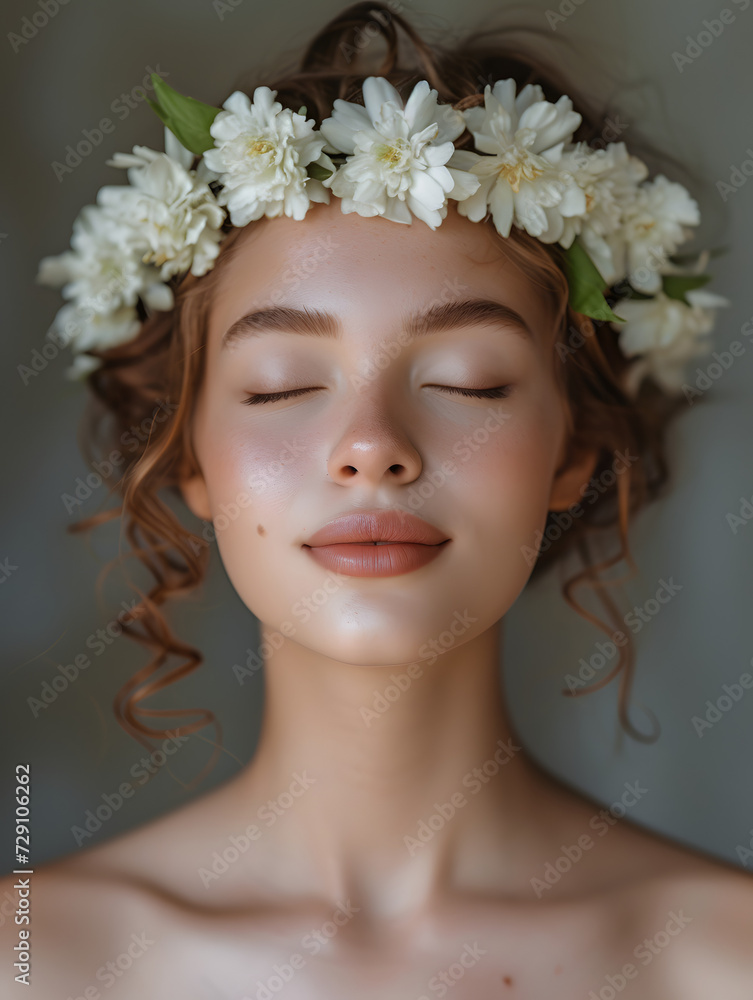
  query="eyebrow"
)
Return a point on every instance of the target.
[{"x": 443, "y": 316}]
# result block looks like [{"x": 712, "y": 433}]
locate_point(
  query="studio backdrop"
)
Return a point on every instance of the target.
[{"x": 75, "y": 78}]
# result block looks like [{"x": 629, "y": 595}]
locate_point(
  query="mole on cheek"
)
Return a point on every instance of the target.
[{"x": 260, "y": 529}]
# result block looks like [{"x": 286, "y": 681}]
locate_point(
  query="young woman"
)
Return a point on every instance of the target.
[{"x": 338, "y": 380}]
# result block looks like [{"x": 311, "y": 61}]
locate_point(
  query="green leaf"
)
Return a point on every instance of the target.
[
  {"x": 318, "y": 172},
  {"x": 158, "y": 110},
  {"x": 676, "y": 285},
  {"x": 587, "y": 285},
  {"x": 302, "y": 110},
  {"x": 188, "y": 119}
]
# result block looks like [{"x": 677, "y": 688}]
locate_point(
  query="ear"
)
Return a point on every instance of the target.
[
  {"x": 566, "y": 488},
  {"x": 196, "y": 496}
]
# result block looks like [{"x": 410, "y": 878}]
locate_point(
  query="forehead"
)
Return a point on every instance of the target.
[{"x": 350, "y": 265}]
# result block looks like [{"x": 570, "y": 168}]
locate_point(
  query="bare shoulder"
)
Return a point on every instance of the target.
[
  {"x": 163, "y": 858},
  {"x": 718, "y": 956},
  {"x": 682, "y": 918},
  {"x": 696, "y": 929},
  {"x": 84, "y": 929},
  {"x": 617, "y": 849},
  {"x": 100, "y": 911}
]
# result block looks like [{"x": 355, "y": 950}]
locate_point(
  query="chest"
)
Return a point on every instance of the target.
[{"x": 477, "y": 953}]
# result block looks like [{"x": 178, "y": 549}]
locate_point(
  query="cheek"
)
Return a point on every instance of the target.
[
  {"x": 262, "y": 471},
  {"x": 254, "y": 482},
  {"x": 489, "y": 485},
  {"x": 504, "y": 479}
]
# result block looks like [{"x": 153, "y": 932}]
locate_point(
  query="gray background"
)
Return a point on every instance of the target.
[{"x": 63, "y": 81}]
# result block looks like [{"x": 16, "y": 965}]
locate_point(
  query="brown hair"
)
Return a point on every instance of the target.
[{"x": 164, "y": 365}]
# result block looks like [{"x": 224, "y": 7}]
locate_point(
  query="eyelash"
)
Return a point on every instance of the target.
[{"x": 497, "y": 392}]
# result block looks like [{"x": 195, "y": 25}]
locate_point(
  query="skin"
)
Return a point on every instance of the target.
[{"x": 342, "y": 858}]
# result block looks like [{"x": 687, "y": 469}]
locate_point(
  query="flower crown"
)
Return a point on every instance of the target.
[{"x": 397, "y": 160}]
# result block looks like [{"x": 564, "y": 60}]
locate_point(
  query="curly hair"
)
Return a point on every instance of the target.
[{"x": 161, "y": 369}]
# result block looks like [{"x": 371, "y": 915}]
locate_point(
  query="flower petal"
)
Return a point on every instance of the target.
[
  {"x": 502, "y": 206},
  {"x": 176, "y": 150},
  {"x": 376, "y": 91},
  {"x": 338, "y": 134}
]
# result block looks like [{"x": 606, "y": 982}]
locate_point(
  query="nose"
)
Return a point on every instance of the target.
[{"x": 374, "y": 446}]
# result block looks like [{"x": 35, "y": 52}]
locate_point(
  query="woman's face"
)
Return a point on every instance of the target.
[{"x": 379, "y": 427}]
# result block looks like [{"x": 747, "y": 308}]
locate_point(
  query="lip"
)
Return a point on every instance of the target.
[
  {"x": 367, "y": 559},
  {"x": 377, "y": 526},
  {"x": 346, "y": 544}
]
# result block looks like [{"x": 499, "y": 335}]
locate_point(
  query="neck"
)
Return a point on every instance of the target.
[{"x": 391, "y": 785}]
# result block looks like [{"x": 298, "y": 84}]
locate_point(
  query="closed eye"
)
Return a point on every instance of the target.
[
  {"x": 272, "y": 397},
  {"x": 496, "y": 392}
]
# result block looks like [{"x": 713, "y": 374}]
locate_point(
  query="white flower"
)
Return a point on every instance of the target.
[
  {"x": 653, "y": 226},
  {"x": 81, "y": 366},
  {"x": 400, "y": 162},
  {"x": 80, "y": 328},
  {"x": 520, "y": 140},
  {"x": 609, "y": 178},
  {"x": 398, "y": 153},
  {"x": 666, "y": 333},
  {"x": 260, "y": 153},
  {"x": 125, "y": 248},
  {"x": 102, "y": 272},
  {"x": 173, "y": 217}
]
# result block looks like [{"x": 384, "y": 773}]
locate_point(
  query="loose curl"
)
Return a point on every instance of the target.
[{"x": 164, "y": 365}]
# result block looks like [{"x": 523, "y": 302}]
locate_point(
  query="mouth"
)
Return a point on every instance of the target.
[
  {"x": 377, "y": 528},
  {"x": 361, "y": 559}
]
